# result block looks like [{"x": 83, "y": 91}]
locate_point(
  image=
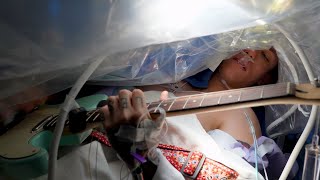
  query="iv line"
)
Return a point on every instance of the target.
[
  {"x": 255, "y": 144},
  {"x": 253, "y": 133}
]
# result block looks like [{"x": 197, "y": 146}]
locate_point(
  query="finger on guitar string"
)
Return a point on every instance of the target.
[
  {"x": 113, "y": 105},
  {"x": 164, "y": 95},
  {"x": 125, "y": 99},
  {"x": 140, "y": 106},
  {"x": 105, "y": 116},
  {"x": 127, "y": 108},
  {"x": 110, "y": 112},
  {"x": 138, "y": 100},
  {"x": 126, "y": 111}
]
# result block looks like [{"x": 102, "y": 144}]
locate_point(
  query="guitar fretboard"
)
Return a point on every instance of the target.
[{"x": 223, "y": 97}]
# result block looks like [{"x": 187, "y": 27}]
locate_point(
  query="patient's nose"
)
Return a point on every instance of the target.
[{"x": 251, "y": 53}]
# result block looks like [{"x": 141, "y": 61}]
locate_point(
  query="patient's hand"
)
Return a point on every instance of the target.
[
  {"x": 164, "y": 95},
  {"x": 128, "y": 108}
]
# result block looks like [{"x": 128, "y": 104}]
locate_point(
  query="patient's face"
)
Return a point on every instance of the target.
[{"x": 238, "y": 72}]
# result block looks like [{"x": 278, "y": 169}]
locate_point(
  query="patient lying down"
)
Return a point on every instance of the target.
[
  {"x": 230, "y": 131},
  {"x": 221, "y": 141}
]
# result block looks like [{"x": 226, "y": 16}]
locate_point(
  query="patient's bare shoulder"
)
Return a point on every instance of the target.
[{"x": 232, "y": 122}]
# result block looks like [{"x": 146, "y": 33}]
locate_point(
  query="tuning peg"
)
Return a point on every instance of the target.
[{"x": 77, "y": 120}]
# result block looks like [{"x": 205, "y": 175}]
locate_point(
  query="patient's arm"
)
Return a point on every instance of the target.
[{"x": 232, "y": 122}]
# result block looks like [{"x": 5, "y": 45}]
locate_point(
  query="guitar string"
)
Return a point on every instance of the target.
[{"x": 94, "y": 111}]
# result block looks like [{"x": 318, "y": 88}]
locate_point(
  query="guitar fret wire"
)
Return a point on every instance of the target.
[
  {"x": 91, "y": 114},
  {"x": 240, "y": 96},
  {"x": 172, "y": 104},
  {"x": 41, "y": 124},
  {"x": 148, "y": 105},
  {"x": 53, "y": 121},
  {"x": 45, "y": 122},
  {"x": 202, "y": 99},
  {"x": 186, "y": 103},
  {"x": 219, "y": 99},
  {"x": 262, "y": 91},
  {"x": 98, "y": 114},
  {"x": 158, "y": 106}
]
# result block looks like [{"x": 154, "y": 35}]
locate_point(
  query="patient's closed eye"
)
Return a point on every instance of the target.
[{"x": 265, "y": 56}]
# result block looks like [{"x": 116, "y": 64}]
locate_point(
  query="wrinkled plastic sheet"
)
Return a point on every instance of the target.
[{"x": 46, "y": 45}]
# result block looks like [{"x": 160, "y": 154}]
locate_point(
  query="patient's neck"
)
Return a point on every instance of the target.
[{"x": 217, "y": 84}]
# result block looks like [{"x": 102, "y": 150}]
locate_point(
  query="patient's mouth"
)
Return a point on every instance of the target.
[{"x": 243, "y": 59}]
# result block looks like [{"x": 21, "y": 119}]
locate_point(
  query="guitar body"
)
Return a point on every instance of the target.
[{"x": 24, "y": 153}]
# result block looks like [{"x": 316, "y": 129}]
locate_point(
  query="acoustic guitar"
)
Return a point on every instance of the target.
[{"x": 24, "y": 147}]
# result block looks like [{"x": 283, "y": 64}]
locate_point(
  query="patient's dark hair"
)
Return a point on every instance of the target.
[{"x": 272, "y": 76}]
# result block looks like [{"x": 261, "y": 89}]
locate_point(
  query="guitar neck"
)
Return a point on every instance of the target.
[
  {"x": 223, "y": 97},
  {"x": 203, "y": 100}
]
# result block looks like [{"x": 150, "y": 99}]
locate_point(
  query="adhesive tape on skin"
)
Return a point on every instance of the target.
[
  {"x": 148, "y": 130},
  {"x": 153, "y": 133},
  {"x": 130, "y": 133},
  {"x": 213, "y": 64},
  {"x": 245, "y": 58}
]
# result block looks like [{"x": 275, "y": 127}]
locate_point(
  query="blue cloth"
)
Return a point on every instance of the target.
[{"x": 201, "y": 79}]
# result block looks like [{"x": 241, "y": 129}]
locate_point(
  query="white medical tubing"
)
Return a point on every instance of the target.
[
  {"x": 300, "y": 52},
  {"x": 276, "y": 122},
  {"x": 53, "y": 153},
  {"x": 253, "y": 133},
  {"x": 314, "y": 109},
  {"x": 299, "y": 144}
]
